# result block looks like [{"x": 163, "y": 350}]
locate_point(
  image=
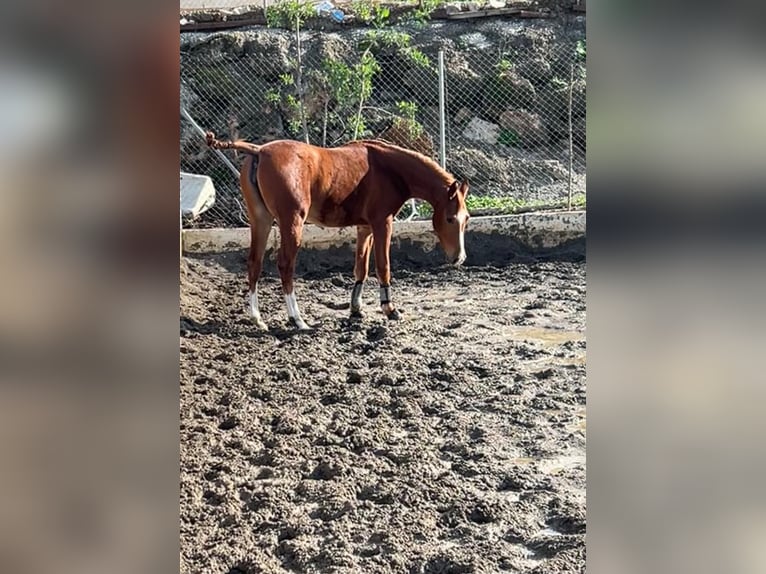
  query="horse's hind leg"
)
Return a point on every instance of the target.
[
  {"x": 361, "y": 267},
  {"x": 260, "y": 227},
  {"x": 290, "y": 242},
  {"x": 259, "y": 236}
]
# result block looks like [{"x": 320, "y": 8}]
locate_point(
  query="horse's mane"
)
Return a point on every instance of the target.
[{"x": 448, "y": 178}]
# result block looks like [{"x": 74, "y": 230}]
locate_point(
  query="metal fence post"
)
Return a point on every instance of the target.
[
  {"x": 442, "y": 115},
  {"x": 570, "y": 135}
]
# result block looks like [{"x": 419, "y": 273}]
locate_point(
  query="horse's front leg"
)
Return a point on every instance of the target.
[
  {"x": 361, "y": 267},
  {"x": 382, "y": 243}
]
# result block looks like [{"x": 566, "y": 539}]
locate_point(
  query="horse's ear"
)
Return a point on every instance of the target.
[
  {"x": 453, "y": 188},
  {"x": 464, "y": 187}
]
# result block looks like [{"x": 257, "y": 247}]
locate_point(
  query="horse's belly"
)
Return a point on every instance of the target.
[{"x": 329, "y": 215}]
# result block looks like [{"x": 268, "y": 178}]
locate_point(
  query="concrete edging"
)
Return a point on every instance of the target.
[{"x": 540, "y": 230}]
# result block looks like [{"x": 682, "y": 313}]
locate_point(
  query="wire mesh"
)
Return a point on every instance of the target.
[
  {"x": 507, "y": 114},
  {"x": 508, "y": 124}
]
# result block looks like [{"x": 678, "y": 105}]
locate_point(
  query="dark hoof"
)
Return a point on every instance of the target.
[
  {"x": 394, "y": 315},
  {"x": 356, "y": 314}
]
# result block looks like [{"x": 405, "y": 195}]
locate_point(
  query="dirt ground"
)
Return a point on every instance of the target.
[{"x": 452, "y": 441}]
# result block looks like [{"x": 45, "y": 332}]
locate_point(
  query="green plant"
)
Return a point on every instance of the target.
[
  {"x": 406, "y": 120},
  {"x": 370, "y": 12},
  {"x": 288, "y": 14},
  {"x": 407, "y": 110},
  {"x": 580, "y": 51},
  {"x": 580, "y": 57},
  {"x": 292, "y": 14},
  {"x": 508, "y": 137},
  {"x": 422, "y": 13},
  {"x": 417, "y": 57},
  {"x": 364, "y": 72},
  {"x": 285, "y": 98},
  {"x": 397, "y": 41},
  {"x": 559, "y": 84},
  {"x": 272, "y": 97},
  {"x": 478, "y": 205},
  {"x": 503, "y": 66},
  {"x": 343, "y": 89}
]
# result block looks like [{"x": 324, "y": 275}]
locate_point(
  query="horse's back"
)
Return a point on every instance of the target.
[{"x": 295, "y": 175}]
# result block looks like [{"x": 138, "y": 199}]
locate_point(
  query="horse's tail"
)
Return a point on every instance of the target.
[
  {"x": 248, "y": 174},
  {"x": 239, "y": 145},
  {"x": 248, "y": 181}
]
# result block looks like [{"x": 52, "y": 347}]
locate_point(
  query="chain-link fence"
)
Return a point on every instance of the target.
[{"x": 512, "y": 121}]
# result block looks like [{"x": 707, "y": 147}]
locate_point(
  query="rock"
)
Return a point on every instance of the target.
[
  {"x": 527, "y": 127},
  {"x": 537, "y": 69},
  {"x": 507, "y": 89},
  {"x": 462, "y": 116},
  {"x": 554, "y": 169},
  {"x": 479, "y": 130},
  {"x": 399, "y": 134},
  {"x": 452, "y": 8}
]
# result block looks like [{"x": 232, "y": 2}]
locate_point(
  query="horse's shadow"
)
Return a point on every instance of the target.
[{"x": 242, "y": 328}]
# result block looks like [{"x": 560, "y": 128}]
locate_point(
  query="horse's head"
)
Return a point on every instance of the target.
[{"x": 450, "y": 220}]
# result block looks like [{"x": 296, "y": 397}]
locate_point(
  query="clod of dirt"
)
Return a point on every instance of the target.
[
  {"x": 325, "y": 470},
  {"x": 544, "y": 374},
  {"x": 285, "y": 423},
  {"x": 521, "y": 479},
  {"x": 483, "y": 513},
  {"x": 377, "y": 493},
  {"x": 332, "y": 510},
  {"x": 353, "y": 377},
  {"x": 376, "y": 333},
  {"x": 566, "y": 516},
  {"x": 441, "y": 564},
  {"x": 444, "y": 376},
  {"x": 245, "y": 567},
  {"x": 265, "y": 473},
  {"x": 228, "y": 423},
  {"x": 548, "y": 546},
  {"x": 213, "y": 497},
  {"x": 388, "y": 381}
]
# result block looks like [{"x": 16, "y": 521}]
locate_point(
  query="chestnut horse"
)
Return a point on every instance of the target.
[{"x": 362, "y": 183}]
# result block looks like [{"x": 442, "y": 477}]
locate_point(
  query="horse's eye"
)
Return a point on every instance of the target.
[{"x": 450, "y": 220}]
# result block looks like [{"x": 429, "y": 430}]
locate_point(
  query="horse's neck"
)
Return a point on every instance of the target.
[
  {"x": 423, "y": 181},
  {"x": 425, "y": 193}
]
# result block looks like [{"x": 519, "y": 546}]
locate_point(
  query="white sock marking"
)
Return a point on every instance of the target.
[
  {"x": 293, "y": 312},
  {"x": 356, "y": 297},
  {"x": 461, "y": 255},
  {"x": 254, "y": 311}
]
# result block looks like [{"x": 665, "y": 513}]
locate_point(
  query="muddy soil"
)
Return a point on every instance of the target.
[{"x": 452, "y": 441}]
